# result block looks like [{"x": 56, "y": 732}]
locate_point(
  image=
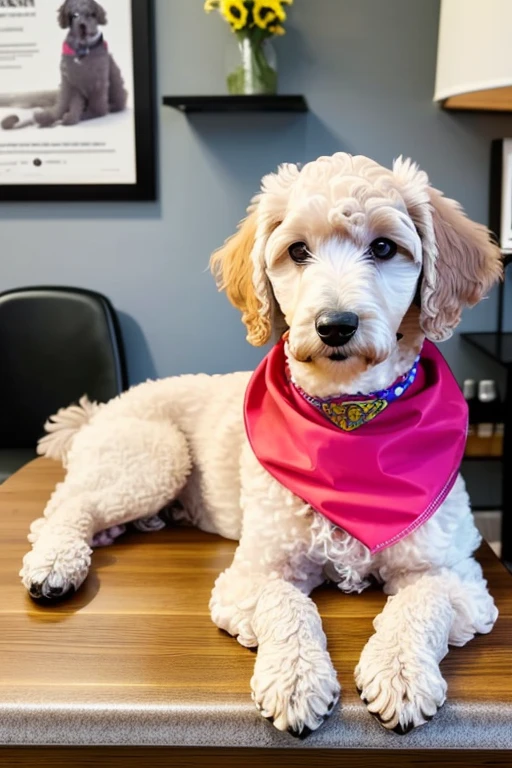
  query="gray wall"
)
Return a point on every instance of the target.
[{"x": 367, "y": 68}]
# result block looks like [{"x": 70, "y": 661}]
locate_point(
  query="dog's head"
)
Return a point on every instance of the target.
[
  {"x": 341, "y": 250},
  {"x": 82, "y": 17}
]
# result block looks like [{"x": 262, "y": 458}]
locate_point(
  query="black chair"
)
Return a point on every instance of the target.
[{"x": 56, "y": 344}]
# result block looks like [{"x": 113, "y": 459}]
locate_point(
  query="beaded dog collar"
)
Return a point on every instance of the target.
[
  {"x": 82, "y": 49},
  {"x": 349, "y": 412}
]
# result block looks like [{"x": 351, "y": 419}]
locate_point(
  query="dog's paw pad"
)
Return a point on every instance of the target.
[
  {"x": 402, "y": 730},
  {"x": 47, "y": 594},
  {"x": 50, "y": 575}
]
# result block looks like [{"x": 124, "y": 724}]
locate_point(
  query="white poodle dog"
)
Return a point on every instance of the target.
[{"x": 400, "y": 261}]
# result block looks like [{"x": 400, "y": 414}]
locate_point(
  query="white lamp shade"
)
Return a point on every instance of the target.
[{"x": 474, "y": 54}]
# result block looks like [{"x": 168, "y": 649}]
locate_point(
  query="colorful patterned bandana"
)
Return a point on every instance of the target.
[{"x": 349, "y": 412}]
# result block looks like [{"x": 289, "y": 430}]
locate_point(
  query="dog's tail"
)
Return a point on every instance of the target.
[
  {"x": 13, "y": 122},
  {"x": 62, "y": 428},
  {"x": 36, "y": 100},
  {"x": 42, "y": 99}
]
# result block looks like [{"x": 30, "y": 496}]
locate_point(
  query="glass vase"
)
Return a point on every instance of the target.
[{"x": 252, "y": 68}]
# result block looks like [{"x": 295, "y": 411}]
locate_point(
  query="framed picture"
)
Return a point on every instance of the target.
[
  {"x": 76, "y": 100},
  {"x": 500, "y": 219}
]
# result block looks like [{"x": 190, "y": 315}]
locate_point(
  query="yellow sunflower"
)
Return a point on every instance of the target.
[
  {"x": 211, "y": 5},
  {"x": 277, "y": 30},
  {"x": 268, "y": 13},
  {"x": 235, "y": 12}
]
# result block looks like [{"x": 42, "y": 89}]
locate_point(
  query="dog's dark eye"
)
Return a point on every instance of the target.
[
  {"x": 91, "y": 15},
  {"x": 382, "y": 248},
  {"x": 299, "y": 252}
]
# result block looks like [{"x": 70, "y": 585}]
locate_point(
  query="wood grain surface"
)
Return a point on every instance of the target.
[
  {"x": 245, "y": 758},
  {"x": 139, "y": 632}
]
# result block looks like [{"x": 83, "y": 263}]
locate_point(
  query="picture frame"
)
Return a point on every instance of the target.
[
  {"x": 108, "y": 158},
  {"x": 500, "y": 200}
]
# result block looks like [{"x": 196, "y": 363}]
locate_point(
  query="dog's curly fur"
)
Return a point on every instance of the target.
[
  {"x": 91, "y": 86},
  {"x": 184, "y": 438}
]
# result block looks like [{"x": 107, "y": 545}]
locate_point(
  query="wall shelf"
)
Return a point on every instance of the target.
[{"x": 276, "y": 103}]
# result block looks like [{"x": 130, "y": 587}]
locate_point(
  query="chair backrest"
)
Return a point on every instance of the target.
[{"x": 56, "y": 344}]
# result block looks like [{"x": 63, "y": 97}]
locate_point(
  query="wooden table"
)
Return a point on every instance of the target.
[{"x": 132, "y": 671}]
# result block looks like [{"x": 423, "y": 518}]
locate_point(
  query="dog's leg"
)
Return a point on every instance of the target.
[
  {"x": 117, "y": 96},
  {"x": 75, "y": 110},
  {"x": 49, "y": 117},
  {"x": 119, "y": 469},
  {"x": 98, "y": 104},
  {"x": 398, "y": 674},
  {"x": 262, "y": 599},
  {"x": 294, "y": 682}
]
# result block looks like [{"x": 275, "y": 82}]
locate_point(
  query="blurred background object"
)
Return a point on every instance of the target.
[
  {"x": 474, "y": 67},
  {"x": 56, "y": 345}
]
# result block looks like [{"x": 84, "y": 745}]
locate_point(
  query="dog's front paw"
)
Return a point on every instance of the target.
[
  {"x": 70, "y": 119},
  {"x": 296, "y": 692},
  {"x": 49, "y": 573},
  {"x": 402, "y": 688},
  {"x": 475, "y": 615},
  {"x": 44, "y": 119}
]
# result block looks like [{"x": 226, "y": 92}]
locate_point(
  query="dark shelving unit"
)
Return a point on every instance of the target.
[
  {"x": 482, "y": 458},
  {"x": 498, "y": 347},
  {"x": 276, "y": 103}
]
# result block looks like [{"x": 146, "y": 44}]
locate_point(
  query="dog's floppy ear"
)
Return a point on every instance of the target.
[
  {"x": 239, "y": 266},
  {"x": 233, "y": 268},
  {"x": 460, "y": 271},
  {"x": 101, "y": 14},
  {"x": 460, "y": 261},
  {"x": 63, "y": 16}
]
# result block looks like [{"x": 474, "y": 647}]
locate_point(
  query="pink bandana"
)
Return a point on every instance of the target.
[
  {"x": 67, "y": 50},
  {"x": 378, "y": 482}
]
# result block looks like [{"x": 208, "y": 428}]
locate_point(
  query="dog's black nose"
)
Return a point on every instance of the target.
[
  {"x": 336, "y": 328},
  {"x": 83, "y": 30}
]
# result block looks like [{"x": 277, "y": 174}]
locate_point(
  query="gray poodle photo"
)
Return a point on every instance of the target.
[{"x": 91, "y": 82}]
